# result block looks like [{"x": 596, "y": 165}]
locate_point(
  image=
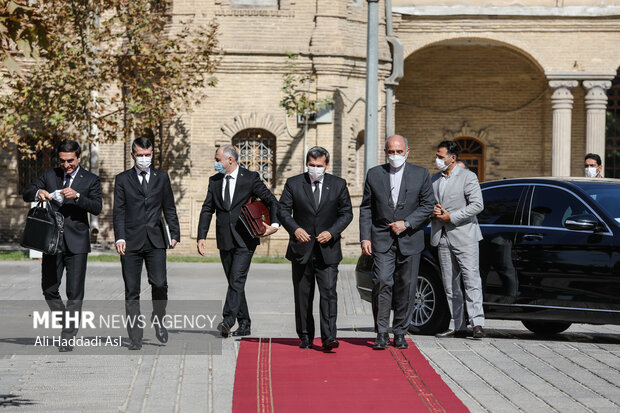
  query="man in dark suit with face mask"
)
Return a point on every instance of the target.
[
  {"x": 315, "y": 208},
  {"x": 228, "y": 191},
  {"x": 74, "y": 192},
  {"x": 141, "y": 195},
  {"x": 398, "y": 200}
]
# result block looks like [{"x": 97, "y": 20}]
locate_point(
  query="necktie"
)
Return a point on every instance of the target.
[
  {"x": 67, "y": 181},
  {"x": 145, "y": 185},
  {"x": 317, "y": 194},
  {"x": 227, "y": 193}
]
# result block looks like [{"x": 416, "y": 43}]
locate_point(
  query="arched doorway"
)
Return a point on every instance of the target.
[
  {"x": 485, "y": 83},
  {"x": 472, "y": 151},
  {"x": 257, "y": 149}
]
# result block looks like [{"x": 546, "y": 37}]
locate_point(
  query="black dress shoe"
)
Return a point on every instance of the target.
[
  {"x": 382, "y": 341},
  {"x": 452, "y": 333},
  {"x": 305, "y": 343},
  {"x": 446, "y": 334},
  {"x": 65, "y": 349},
  {"x": 135, "y": 345},
  {"x": 330, "y": 344},
  {"x": 479, "y": 333},
  {"x": 243, "y": 330},
  {"x": 224, "y": 329},
  {"x": 161, "y": 333},
  {"x": 400, "y": 342}
]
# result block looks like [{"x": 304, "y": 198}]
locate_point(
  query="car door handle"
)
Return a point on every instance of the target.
[{"x": 533, "y": 237}]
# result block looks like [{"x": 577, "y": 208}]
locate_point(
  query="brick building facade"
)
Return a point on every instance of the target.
[{"x": 523, "y": 88}]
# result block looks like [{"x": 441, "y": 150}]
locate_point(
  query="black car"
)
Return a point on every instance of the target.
[{"x": 550, "y": 256}]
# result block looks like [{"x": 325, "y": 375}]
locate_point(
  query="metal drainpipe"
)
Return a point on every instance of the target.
[
  {"x": 389, "y": 89},
  {"x": 372, "y": 84}
]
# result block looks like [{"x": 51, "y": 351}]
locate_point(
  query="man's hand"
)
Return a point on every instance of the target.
[
  {"x": 398, "y": 227},
  {"x": 43, "y": 195},
  {"x": 120, "y": 247},
  {"x": 444, "y": 216},
  {"x": 367, "y": 247},
  {"x": 302, "y": 235},
  {"x": 202, "y": 247},
  {"x": 437, "y": 210},
  {"x": 324, "y": 237},
  {"x": 174, "y": 243},
  {"x": 69, "y": 193},
  {"x": 269, "y": 230}
]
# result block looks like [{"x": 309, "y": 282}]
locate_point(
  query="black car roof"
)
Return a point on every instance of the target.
[{"x": 568, "y": 181}]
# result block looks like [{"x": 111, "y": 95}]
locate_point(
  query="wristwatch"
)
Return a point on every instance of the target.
[{"x": 77, "y": 196}]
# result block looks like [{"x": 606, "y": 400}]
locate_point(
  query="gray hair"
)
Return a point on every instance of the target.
[
  {"x": 229, "y": 150},
  {"x": 316, "y": 153},
  {"x": 397, "y": 136}
]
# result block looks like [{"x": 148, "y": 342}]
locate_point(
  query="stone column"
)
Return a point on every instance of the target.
[
  {"x": 596, "y": 106},
  {"x": 562, "y": 105}
]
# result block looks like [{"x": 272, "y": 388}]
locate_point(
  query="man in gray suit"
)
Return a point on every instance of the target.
[
  {"x": 398, "y": 199},
  {"x": 454, "y": 228}
]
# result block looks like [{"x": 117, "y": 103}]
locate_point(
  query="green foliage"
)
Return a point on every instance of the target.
[
  {"x": 297, "y": 101},
  {"x": 112, "y": 67}
]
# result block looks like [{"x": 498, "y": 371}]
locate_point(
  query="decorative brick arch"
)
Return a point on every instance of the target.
[
  {"x": 250, "y": 121},
  {"x": 481, "y": 135}
]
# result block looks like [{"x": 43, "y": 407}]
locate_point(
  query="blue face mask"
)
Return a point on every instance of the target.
[{"x": 219, "y": 167}]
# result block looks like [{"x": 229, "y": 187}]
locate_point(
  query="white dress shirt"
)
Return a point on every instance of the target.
[
  {"x": 148, "y": 174},
  {"x": 396, "y": 178}
]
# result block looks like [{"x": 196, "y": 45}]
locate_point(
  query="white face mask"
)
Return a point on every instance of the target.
[
  {"x": 396, "y": 161},
  {"x": 143, "y": 162},
  {"x": 591, "y": 172},
  {"x": 315, "y": 173},
  {"x": 441, "y": 164}
]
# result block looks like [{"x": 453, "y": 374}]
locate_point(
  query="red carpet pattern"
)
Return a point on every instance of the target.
[{"x": 275, "y": 375}]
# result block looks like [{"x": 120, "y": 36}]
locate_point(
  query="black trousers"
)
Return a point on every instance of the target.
[
  {"x": 236, "y": 263},
  {"x": 52, "y": 268},
  {"x": 395, "y": 279},
  {"x": 155, "y": 260},
  {"x": 326, "y": 277}
]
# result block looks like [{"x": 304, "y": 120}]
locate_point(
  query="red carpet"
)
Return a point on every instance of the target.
[{"x": 275, "y": 375}]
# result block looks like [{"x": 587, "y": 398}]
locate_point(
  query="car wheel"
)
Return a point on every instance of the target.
[
  {"x": 430, "y": 313},
  {"x": 545, "y": 328}
]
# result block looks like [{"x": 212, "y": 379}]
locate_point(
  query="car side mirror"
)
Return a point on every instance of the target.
[{"x": 582, "y": 222}]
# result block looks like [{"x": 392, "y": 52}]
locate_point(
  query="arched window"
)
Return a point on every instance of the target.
[
  {"x": 472, "y": 151},
  {"x": 257, "y": 149}
]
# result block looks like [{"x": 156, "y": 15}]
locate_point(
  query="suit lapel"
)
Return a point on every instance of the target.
[
  {"x": 450, "y": 182},
  {"x": 242, "y": 181},
  {"x": 308, "y": 190},
  {"x": 325, "y": 191},
  {"x": 133, "y": 177},
  {"x": 59, "y": 178},
  {"x": 402, "y": 192},
  {"x": 154, "y": 178},
  {"x": 386, "y": 181},
  {"x": 77, "y": 180}
]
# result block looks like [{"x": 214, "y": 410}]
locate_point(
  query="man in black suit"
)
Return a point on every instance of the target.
[
  {"x": 74, "y": 192},
  {"x": 228, "y": 191},
  {"x": 398, "y": 200},
  {"x": 141, "y": 194},
  {"x": 321, "y": 209}
]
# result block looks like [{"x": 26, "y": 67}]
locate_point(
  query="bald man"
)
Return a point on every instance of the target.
[{"x": 398, "y": 200}]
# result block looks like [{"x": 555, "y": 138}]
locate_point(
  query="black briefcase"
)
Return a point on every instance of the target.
[{"x": 44, "y": 230}]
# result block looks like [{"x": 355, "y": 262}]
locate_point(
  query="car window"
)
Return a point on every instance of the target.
[
  {"x": 500, "y": 204},
  {"x": 606, "y": 195},
  {"x": 551, "y": 206}
]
